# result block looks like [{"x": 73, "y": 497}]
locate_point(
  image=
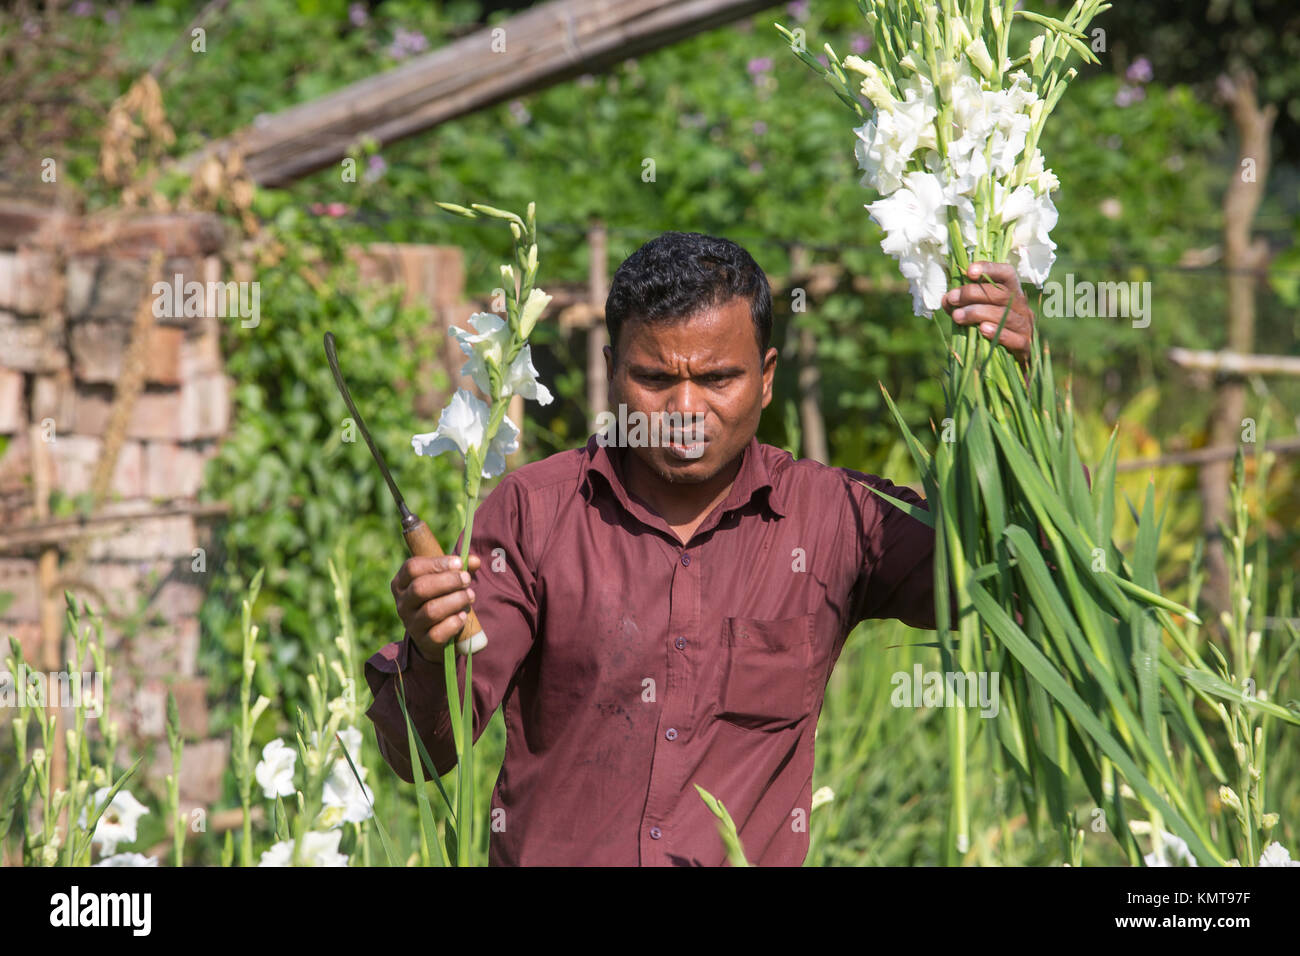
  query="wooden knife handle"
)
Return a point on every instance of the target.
[{"x": 422, "y": 544}]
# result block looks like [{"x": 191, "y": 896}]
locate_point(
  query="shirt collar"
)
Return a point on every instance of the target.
[{"x": 752, "y": 478}]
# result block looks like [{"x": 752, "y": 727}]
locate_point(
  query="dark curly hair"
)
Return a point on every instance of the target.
[{"x": 678, "y": 274}]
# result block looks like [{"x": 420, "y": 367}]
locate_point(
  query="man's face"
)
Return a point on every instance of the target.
[{"x": 705, "y": 371}]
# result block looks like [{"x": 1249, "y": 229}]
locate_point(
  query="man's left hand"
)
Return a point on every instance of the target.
[{"x": 982, "y": 304}]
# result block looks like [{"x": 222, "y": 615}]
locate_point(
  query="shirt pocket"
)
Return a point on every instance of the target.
[{"x": 766, "y": 681}]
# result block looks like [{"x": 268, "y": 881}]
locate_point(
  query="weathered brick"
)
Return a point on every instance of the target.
[
  {"x": 75, "y": 456},
  {"x": 192, "y": 705},
  {"x": 28, "y": 635},
  {"x": 18, "y": 577},
  {"x": 157, "y": 415},
  {"x": 13, "y": 405},
  {"x": 27, "y": 282},
  {"x": 169, "y": 648},
  {"x": 99, "y": 349},
  {"x": 92, "y": 405},
  {"x": 146, "y": 538},
  {"x": 54, "y": 397},
  {"x": 172, "y": 470},
  {"x": 107, "y": 288},
  {"x": 203, "y": 768},
  {"x": 27, "y": 345},
  {"x": 200, "y": 352},
  {"x": 205, "y": 407},
  {"x": 148, "y": 708}
]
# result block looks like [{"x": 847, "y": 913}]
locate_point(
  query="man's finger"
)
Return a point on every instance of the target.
[
  {"x": 414, "y": 567},
  {"x": 1014, "y": 342},
  {"x": 1000, "y": 272},
  {"x": 976, "y": 294}
]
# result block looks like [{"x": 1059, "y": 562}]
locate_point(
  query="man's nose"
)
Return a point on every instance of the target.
[{"x": 686, "y": 399}]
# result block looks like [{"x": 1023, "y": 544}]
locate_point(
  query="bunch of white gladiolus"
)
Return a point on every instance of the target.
[{"x": 1024, "y": 543}]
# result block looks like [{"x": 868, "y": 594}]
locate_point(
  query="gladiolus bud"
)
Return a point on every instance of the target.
[
  {"x": 979, "y": 55},
  {"x": 458, "y": 210},
  {"x": 1229, "y": 799},
  {"x": 533, "y": 306},
  {"x": 515, "y": 230}
]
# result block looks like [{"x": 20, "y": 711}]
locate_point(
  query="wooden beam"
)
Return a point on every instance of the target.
[
  {"x": 1205, "y": 456},
  {"x": 1235, "y": 363},
  {"x": 535, "y": 49},
  {"x": 39, "y": 533}
]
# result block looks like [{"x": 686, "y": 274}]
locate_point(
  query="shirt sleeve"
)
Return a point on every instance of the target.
[
  {"x": 896, "y": 556},
  {"x": 507, "y": 607}
]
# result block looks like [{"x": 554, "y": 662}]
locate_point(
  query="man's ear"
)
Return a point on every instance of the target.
[
  {"x": 769, "y": 371},
  {"x": 609, "y": 363}
]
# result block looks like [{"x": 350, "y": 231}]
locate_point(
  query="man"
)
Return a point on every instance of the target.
[{"x": 660, "y": 616}]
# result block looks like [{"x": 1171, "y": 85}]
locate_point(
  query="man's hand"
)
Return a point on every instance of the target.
[
  {"x": 982, "y": 304},
  {"x": 431, "y": 595}
]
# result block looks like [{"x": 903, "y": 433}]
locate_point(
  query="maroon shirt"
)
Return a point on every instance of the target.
[{"x": 632, "y": 666}]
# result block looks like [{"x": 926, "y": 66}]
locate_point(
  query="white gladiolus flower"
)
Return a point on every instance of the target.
[
  {"x": 462, "y": 427},
  {"x": 1032, "y": 247},
  {"x": 274, "y": 772},
  {"x": 1175, "y": 853},
  {"x": 318, "y": 849},
  {"x": 487, "y": 350},
  {"x": 128, "y": 859},
  {"x": 118, "y": 822},
  {"x": 352, "y": 741},
  {"x": 823, "y": 795},
  {"x": 279, "y": 855},
  {"x": 916, "y": 234},
  {"x": 343, "y": 791},
  {"x": 1275, "y": 854},
  {"x": 1044, "y": 180}
]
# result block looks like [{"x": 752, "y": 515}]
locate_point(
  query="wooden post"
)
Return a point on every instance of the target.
[
  {"x": 597, "y": 334},
  {"x": 50, "y": 658},
  {"x": 1243, "y": 258},
  {"x": 811, "y": 423}
]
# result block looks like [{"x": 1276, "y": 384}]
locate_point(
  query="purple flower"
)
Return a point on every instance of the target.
[
  {"x": 405, "y": 43},
  {"x": 759, "y": 127},
  {"x": 358, "y": 15},
  {"x": 375, "y": 167},
  {"x": 32, "y": 28},
  {"x": 798, "y": 9},
  {"x": 859, "y": 43},
  {"x": 1139, "y": 71},
  {"x": 759, "y": 65},
  {"x": 755, "y": 167},
  {"x": 111, "y": 17},
  {"x": 83, "y": 8},
  {"x": 1128, "y": 95}
]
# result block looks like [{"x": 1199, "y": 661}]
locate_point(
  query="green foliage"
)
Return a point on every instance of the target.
[{"x": 295, "y": 486}]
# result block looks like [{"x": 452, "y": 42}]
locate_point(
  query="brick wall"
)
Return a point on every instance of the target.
[{"x": 69, "y": 292}]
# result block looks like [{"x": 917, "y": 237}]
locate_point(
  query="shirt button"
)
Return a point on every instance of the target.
[
  {"x": 681, "y": 643},
  {"x": 655, "y": 833},
  {"x": 671, "y": 733},
  {"x": 686, "y": 560}
]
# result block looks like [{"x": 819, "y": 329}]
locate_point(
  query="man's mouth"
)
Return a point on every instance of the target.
[{"x": 685, "y": 446}]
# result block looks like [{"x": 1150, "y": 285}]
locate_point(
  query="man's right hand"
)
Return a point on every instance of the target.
[{"x": 432, "y": 600}]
